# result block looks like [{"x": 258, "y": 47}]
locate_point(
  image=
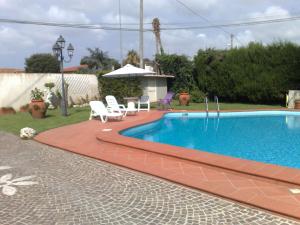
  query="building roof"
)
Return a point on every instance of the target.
[
  {"x": 11, "y": 70},
  {"x": 128, "y": 71},
  {"x": 74, "y": 68}
]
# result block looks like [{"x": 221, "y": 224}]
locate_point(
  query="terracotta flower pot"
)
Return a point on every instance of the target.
[
  {"x": 184, "y": 98},
  {"x": 7, "y": 110},
  {"x": 297, "y": 104},
  {"x": 37, "y": 108}
]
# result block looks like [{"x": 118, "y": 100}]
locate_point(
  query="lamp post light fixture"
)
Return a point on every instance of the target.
[{"x": 58, "y": 52}]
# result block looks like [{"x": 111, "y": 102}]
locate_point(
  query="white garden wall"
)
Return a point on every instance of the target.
[{"x": 15, "y": 87}]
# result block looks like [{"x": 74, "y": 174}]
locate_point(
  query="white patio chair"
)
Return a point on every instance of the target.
[
  {"x": 113, "y": 105},
  {"x": 131, "y": 108},
  {"x": 99, "y": 109},
  {"x": 144, "y": 100}
]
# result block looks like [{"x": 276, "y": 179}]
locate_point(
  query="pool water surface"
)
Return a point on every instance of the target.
[{"x": 264, "y": 136}]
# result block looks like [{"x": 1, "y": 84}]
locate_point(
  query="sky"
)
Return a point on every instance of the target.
[{"x": 18, "y": 42}]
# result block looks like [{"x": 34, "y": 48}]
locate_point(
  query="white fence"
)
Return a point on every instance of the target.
[{"x": 15, "y": 87}]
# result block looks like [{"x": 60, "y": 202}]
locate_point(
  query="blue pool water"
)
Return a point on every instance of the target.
[{"x": 267, "y": 136}]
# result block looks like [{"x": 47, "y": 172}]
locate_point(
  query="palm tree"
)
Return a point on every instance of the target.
[
  {"x": 156, "y": 31},
  {"x": 97, "y": 60},
  {"x": 132, "y": 58}
]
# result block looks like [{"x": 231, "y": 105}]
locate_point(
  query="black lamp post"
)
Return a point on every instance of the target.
[{"x": 58, "y": 52}]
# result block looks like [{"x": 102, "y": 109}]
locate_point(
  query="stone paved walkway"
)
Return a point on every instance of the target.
[{"x": 65, "y": 188}]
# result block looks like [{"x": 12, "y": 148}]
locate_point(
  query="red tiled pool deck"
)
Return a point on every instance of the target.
[{"x": 262, "y": 185}]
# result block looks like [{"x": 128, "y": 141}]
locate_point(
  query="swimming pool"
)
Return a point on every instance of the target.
[{"x": 264, "y": 136}]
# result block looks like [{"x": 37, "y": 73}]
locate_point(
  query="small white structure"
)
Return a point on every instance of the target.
[
  {"x": 153, "y": 85},
  {"x": 292, "y": 96}
]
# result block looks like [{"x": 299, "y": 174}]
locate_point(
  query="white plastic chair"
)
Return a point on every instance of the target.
[
  {"x": 113, "y": 105},
  {"x": 99, "y": 109},
  {"x": 144, "y": 100},
  {"x": 131, "y": 108}
]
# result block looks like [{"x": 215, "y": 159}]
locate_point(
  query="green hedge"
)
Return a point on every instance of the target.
[
  {"x": 254, "y": 74},
  {"x": 118, "y": 87}
]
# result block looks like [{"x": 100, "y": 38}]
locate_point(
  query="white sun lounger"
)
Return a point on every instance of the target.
[
  {"x": 113, "y": 105},
  {"x": 99, "y": 109}
]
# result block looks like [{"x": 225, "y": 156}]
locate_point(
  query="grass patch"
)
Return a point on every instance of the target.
[
  {"x": 13, "y": 123},
  {"x": 223, "y": 106}
]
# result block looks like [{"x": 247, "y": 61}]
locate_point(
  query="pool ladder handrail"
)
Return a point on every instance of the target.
[
  {"x": 218, "y": 106},
  {"x": 206, "y": 105}
]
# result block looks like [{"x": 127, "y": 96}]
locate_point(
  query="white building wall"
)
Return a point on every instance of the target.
[
  {"x": 161, "y": 84},
  {"x": 293, "y": 95},
  {"x": 15, "y": 87},
  {"x": 155, "y": 88}
]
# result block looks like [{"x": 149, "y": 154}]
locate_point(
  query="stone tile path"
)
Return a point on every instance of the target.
[
  {"x": 89, "y": 138},
  {"x": 59, "y": 187}
]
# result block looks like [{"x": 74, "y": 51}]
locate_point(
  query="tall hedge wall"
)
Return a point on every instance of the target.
[{"x": 255, "y": 74}]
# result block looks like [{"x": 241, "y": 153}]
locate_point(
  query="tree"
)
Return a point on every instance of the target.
[
  {"x": 99, "y": 60},
  {"x": 179, "y": 66},
  {"x": 42, "y": 63},
  {"x": 132, "y": 58}
]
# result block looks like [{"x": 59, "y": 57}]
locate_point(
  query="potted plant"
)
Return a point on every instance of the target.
[
  {"x": 184, "y": 97},
  {"x": 24, "y": 108},
  {"x": 7, "y": 110},
  {"x": 49, "y": 85},
  {"x": 37, "y": 106}
]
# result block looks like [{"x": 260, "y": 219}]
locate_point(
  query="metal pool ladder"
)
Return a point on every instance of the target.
[
  {"x": 206, "y": 105},
  {"x": 218, "y": 106}
]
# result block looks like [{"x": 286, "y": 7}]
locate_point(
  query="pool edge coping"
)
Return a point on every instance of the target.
[{"x": 249, "y": 167}]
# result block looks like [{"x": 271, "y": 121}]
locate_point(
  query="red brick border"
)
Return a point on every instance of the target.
[{"x": 270, "y": 171}]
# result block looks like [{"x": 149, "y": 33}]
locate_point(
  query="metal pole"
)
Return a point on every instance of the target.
[
  {"x": 120, "y": 25},
  {"x": 231, "y": 41},
  {"x": 141, "y": 35},
  {"x": 63, "y": 97}
]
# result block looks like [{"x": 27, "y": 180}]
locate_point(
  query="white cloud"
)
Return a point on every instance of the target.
[
  {"x": 272, "y": 11},
  {"x": 9, "y": 36},
  {"x": 22, "y": 40},
  {"x": 201, "y": 35},
  {"x": 3, "y": 3},
  {"x": 55, "y": 13}
]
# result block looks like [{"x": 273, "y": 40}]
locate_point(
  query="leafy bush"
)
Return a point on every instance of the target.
[
  {"x": 49, "y": 85},
  {"x": 118, "y": 87},
  {"x": 197, "y": 96},
  {"x": 179, "y": 66},
  {"x": 255, "y": 74},
  {"x": 37, "y": 94},
  {"x": 42, "y": 63}
]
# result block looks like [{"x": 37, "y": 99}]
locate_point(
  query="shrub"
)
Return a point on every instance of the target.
[
  {"x": 42, "y": 63},
  {"x": 197, "y": 96},
  {"x": 37, "y": 94},
  {"x": 49, "y": 85},
  {"x": 179, "y": 66},
  {"x": 118, "y": 87},
  {"x": 24, "y": 108},
  {"x": 7, "y": 110},
  {"x": 255, "y": 73}
]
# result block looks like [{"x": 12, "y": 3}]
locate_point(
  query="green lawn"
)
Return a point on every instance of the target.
[
  {"x": 13, "y": 123},
  {"x": 223, "y": 106}
]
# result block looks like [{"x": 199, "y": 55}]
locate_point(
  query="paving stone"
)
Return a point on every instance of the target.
[{"x": 73, "y": 189}]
